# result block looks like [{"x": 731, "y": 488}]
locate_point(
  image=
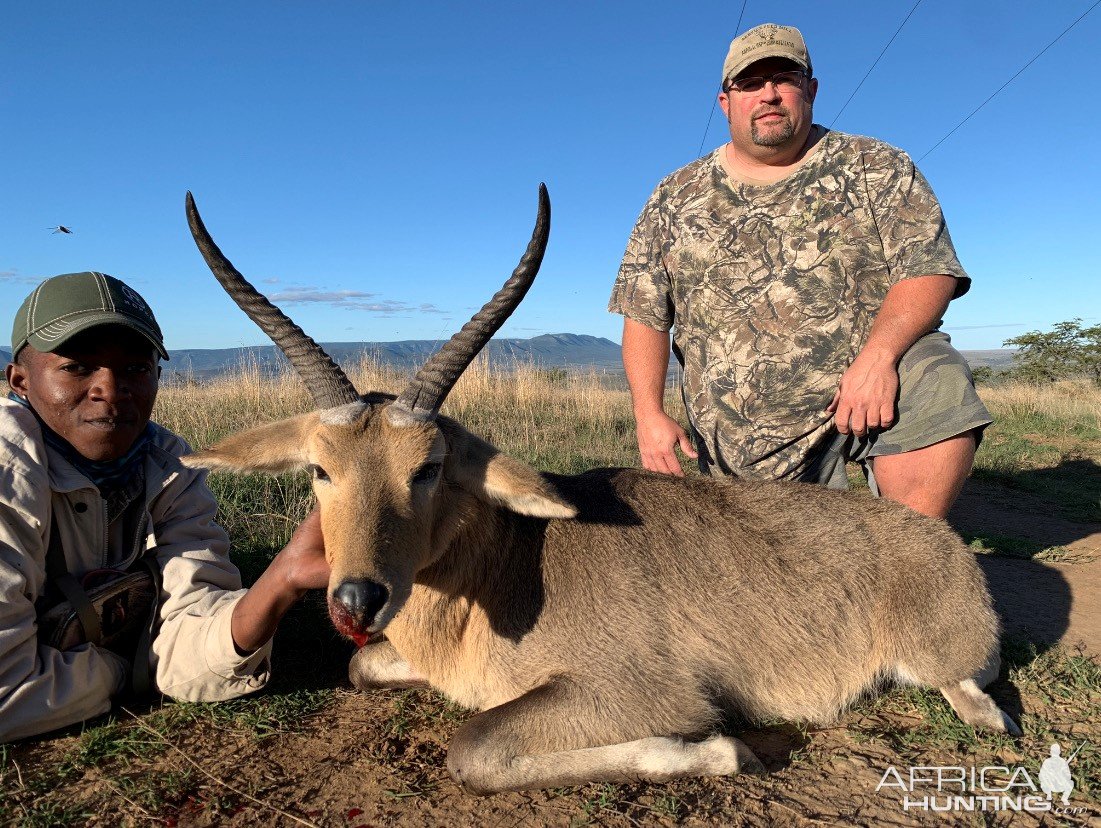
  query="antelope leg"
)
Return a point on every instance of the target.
[
  {"x": 380, "y": 665},
  {"x": 491, "y": 752}
]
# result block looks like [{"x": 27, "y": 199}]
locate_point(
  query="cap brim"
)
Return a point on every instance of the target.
[
  {"x": 51, "y": 337},
  {"x": 737, "y": 70}
]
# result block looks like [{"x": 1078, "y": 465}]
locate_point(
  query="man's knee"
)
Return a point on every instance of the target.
[{"x": 927, "y": 479}]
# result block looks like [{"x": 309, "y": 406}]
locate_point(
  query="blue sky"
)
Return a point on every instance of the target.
[{"x": 376, "y": 164}]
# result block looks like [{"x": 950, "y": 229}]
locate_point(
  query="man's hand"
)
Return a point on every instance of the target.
[
  {"x": 302, "y": 561},
  {"x": 658, "y": 436},
  {"x": 298, "y": 567},
  {"x": 646, "y": 360},
  {"x": 866, "y": 397}
]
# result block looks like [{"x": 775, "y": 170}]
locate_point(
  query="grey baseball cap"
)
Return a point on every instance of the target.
[
  {"x": 63, "y": 306},
  {"x": 765, "y": 41}
]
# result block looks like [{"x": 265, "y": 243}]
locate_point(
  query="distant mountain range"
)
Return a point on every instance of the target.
[
  {"x": 996, "y": 358},
  {"x": 564, "y": 350},
  {"x": 552, "y": 350}
]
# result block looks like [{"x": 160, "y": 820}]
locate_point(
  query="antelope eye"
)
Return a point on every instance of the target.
[
  {"x": 319, "y": 473},
  {"x": 427, "y": 473}
]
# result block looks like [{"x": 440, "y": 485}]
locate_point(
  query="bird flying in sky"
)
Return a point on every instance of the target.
[{"x": 61, "y": 228}]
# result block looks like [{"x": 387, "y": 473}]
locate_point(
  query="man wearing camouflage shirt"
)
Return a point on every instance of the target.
[{"x": 805, "y": 272}]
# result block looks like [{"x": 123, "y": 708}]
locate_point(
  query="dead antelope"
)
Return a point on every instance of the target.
[{"x": 606, "y": 622}]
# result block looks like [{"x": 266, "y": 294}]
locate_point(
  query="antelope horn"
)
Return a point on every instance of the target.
[
  {"x": 327, "y": 383},
  {"x": 429, "y": 388}
]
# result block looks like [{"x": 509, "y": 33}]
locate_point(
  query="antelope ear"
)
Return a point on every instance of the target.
[
  {"x": 496, "y": 478},
  {"x": 272, "y": 447}
]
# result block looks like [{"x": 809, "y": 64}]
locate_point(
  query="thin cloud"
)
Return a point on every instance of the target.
[
  {"x": 14, "y": 277},
  {"x": 306, "y": 296},
  {"x": 355, "y": 300},
  {"x": 984, "y": 327},
  {"x": 272, "y": 281}
]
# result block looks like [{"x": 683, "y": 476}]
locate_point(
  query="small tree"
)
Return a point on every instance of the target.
[
  {"x": 1068, "y": 350},
  {"x": 982, "y": 374}
]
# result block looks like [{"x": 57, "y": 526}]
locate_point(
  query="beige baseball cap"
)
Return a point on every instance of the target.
[{"x": 765, "y": 41}]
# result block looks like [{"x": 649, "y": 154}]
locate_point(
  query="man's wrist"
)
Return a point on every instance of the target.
[
  {"x": 285, "y": 591},
  {"x": 648, "y": 412},
  {"x": 881, "y": 353}
]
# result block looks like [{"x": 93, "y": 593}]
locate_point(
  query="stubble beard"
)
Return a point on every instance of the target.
[{"x": 774, "y": 137}]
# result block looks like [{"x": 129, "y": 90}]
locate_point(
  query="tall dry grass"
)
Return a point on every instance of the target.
[
  {"x": 557, "y": 420},
  {"x": 567, "y": 422},
  {"x": 1071, "y": 402}
]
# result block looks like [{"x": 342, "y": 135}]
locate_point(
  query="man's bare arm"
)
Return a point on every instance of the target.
[
  {"x": 300, "y": 566},
  {"x": 646, "y": 361},
  {"x": 866, "y": 396}
]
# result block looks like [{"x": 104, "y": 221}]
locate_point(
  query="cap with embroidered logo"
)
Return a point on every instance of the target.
[
  {"x": 765, "y": 41},
  {"x": 63, "y": 306}
]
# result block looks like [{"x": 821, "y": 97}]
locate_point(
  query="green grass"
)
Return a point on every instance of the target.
[
  {"x": 1006, "y": 546},
  {"x": 934, "y": 725},
  {"x": 668, "y": 806},
  {"x": 260, "y": 512},
  {"x": 1046, "y": 442},
  {"x": 263, "y": 716},
  {"x": 1056, "y": 675},
  {"x": 44, "y": 814}
]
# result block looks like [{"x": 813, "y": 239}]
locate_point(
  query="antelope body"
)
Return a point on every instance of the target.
[{"x": 605, "y": 622}]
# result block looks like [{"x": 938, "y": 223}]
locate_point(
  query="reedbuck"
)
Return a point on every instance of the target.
[{"x": 604, "y": 623}]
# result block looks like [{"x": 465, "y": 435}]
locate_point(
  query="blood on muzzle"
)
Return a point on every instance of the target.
[{"x": 362, "y": 600}]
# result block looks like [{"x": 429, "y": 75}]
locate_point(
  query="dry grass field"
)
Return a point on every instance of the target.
[{"x": 311, "y": 751}]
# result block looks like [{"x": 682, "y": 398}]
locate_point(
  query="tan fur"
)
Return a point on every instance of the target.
[
  {"x": 597, "y": 619},
  {"x": 273, "y": 447}
]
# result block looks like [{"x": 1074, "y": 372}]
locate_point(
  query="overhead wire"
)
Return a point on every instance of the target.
[
  {"x": 715, "y": 101},
  {"x": 1004, "y": 85},
  {"x": 870, "y": 68},
  {"x": 901, "y": 25}
]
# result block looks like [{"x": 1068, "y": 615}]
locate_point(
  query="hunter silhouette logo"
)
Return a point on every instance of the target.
[{"x": 1055, "y": 775}]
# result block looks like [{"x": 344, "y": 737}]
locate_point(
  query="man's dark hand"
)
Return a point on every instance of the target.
[{"x": 299, "y": 566}]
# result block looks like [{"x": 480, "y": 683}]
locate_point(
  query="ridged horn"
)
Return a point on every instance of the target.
[
  {"x": 430, "y": 387},
  {"x": 327, "y": 383}
]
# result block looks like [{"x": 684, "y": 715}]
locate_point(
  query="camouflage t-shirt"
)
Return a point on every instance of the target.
[{"x": 772, "y": 290}]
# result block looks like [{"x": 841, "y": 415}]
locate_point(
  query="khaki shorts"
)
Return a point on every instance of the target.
[{"x": 936, "y": 401}]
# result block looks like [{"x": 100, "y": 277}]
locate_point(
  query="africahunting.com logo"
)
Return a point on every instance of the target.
[{"x": 989, "y": 788}]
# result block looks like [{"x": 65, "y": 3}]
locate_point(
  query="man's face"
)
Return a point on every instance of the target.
[
  {"x": 770, "y": 117},
  {"x": 96, "y": 391}
]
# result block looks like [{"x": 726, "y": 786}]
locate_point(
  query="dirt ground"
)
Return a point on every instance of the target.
[
  {"x": 1046, "y": 602},
  {"x": 368, "y": 759}
]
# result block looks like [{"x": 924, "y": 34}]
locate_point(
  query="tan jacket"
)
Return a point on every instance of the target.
[{"x": 193, "y": 658}]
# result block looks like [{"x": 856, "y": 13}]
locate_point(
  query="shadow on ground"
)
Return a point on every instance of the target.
[
  {"x": 1071, "y": 489},
  {"x": 1050, "y": 601}
]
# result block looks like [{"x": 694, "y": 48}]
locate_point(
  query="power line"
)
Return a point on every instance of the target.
[
  {"x": 870, "y": 68},
  {"x": 1004, "y": 85},
  {"x": 715, "y": 101}
]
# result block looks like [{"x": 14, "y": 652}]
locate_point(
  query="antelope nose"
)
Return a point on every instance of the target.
[{"x": 362, "y": 600}]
